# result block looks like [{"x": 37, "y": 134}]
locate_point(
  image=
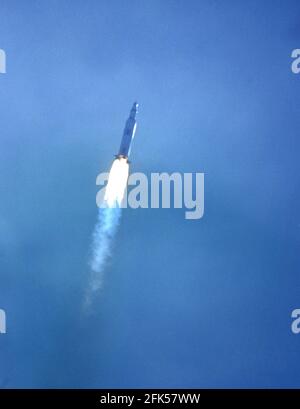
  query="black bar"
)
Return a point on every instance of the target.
[{"x": 96, "y": 398}]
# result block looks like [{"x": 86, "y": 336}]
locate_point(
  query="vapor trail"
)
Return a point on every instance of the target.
[{"x": 109, "y": 215}]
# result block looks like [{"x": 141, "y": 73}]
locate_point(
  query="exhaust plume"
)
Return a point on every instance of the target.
[{"x": 109, "y": 215}]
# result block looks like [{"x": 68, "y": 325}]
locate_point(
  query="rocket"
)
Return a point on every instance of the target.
[{"x": 128, "y": 134}]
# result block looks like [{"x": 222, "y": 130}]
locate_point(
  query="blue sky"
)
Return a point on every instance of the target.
[{"x": 202, "y": 303}]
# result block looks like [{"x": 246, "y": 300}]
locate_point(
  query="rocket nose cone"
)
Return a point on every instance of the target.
[{"x": 134, "y": 108}]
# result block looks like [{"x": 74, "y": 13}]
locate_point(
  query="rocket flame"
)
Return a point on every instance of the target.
[
  {"x": 117, "y": 182},
  {"x": 106, "y": 226}
]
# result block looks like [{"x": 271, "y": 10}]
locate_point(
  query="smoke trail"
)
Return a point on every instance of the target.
[{"x": 106, "y": 226}]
